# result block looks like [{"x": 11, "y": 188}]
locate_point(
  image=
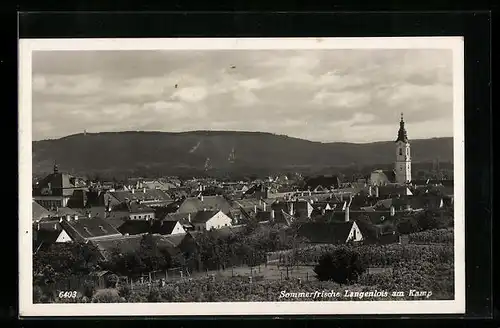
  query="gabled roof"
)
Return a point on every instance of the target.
[
  {"x": 135, "y": 227},
  {"x": 325, "y": 181},
  {"x": 177, "y": 217},
  {"x": 164, "y": 227},
  {"x": 135, "y": 207},
  {"x": 203, "y": 216},
  {"x": 94, "y": 211},
  {"x": 85, "y": 228},
  {"x": 326, "y": 233},
  {"x": 39, "y": 212},
  {"x": 63, "y": 211},
  {"x": 142, "y": 195},
  {"x": 59, "y": 184},
  {"x": 194, "y": 204},
  {"x": 128, "y": 244},
  {"x": 389, "y": 175}
]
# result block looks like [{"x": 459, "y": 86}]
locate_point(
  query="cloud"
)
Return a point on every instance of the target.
[{"x": 325, "y": 95}]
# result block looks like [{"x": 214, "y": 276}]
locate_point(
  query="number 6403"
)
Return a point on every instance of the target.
[{"x": 69, "y": 294}]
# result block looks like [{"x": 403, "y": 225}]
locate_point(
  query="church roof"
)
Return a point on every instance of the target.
[{"x": 402, "y": 136}]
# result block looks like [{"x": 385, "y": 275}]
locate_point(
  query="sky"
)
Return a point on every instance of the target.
[{"x": 332, "y": 95}]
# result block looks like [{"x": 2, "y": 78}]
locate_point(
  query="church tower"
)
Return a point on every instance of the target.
[{"x": 403, "y": 157}]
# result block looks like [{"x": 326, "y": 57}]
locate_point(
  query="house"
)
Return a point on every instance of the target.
[
  {"x": 39, "y": 212},
  {"x": 210, "y": 219},
  {"x": 48, "y": 232},
  {"x": 211, "y": 203},
  {"x": 330, "y": 233},
  {"x": 139, "y": 211},
  {"x": 148, "y": 197},
  {"x": 135, "y": 227},
  {"x": 257, "y": 191},
  {"x": 382, "y": 177},
  {"x": 393, "y": 190},
  {"x": 128, "y": 244},
  {"x": 320, "y": 183},
  {"x": 58, "y": 190},
  {"x": 166, "y": 227},
  {"x": 184, "y": 220},
  {"x": 85, "y": 229}
]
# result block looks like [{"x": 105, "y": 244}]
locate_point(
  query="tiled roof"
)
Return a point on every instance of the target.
[
  {"x": 63, "y": 211},
  {"x": 227, "y": 231},
  {"x": 193, "y": 204},
  {"x": 135, "y": 227},
  {"x": 128, "y": 244},
  {"x": 326, "y": 233},
  {"x": 203, "y": 216},
  {"x": 163, "y": 227},
  {"x": 135, "y": 207},
  {"x": 39, "y": 212},
  {"x": 177, "y": 217},
  {"x": 142, "y": 195},
  {"x": 94, "y": 211},
  {"x": 323, "y": 181},
  {"x": 59, "y": 184},
  {"x": 85, "y": 228},
  {"x": 46, "y": 236}
]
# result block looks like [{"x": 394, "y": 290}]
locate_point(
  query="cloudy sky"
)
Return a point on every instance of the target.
[{"x": 319, "y": 95}]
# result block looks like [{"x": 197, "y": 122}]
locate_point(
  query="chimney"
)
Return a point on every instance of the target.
[
  {"x": 201, "y": 197},
  {"x": 76, "y": 217},
  {"x": 133, "y": 190},
  {"x": 264, "y": 206},
  {"x": 291, "y": 209},
  {"x": 60, "y": 220},
  {"x": 370, "y": 192},
  {"x": 89, "y": 215},
  {"x": 144, "y": 190},
  {"x": 346, "y": 219},
  {"x": 68, "y": 217},
  {"x": 189, "y": 217},
  {"x": 393, "y": 211},
  {"x": 272, "y": 214},
  {"x": 38, "y": 226},
  {"x": 376, "y": 192}
]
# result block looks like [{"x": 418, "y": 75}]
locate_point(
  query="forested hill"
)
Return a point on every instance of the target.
[{"x": 232, "y": 152}]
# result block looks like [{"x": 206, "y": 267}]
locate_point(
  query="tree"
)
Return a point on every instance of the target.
[
  {"x": 428, "y": 220},
  {"x": 151, "y": 256},
  {"x": 342, "y": 265},
  {"x": 407, "y": 226}
]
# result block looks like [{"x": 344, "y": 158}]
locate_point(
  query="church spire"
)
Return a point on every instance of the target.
[
  {"x": 56, "y": 169},
  {"x": 402, "y": 136}
]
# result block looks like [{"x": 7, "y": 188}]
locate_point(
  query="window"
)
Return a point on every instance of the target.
[{"x": 400, "y": 151}]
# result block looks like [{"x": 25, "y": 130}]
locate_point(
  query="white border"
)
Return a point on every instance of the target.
[{"x": 26, "y": 306}]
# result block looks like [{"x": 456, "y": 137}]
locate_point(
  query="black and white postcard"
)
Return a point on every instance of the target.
[{"x": 241, "y": 176}]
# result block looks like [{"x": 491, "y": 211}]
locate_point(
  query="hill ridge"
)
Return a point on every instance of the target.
[{"x": 231, "y": 152}]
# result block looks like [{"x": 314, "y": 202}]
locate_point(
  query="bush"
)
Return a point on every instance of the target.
[
  {"x": 124, "y": 291},
  {"x": 154, "y": 295},
  {"x": 108, "y": 295},
  {"x": 342, "y": 266},
  {"x": 89, "y": 288},
  {"x": 111, "y": 281}
]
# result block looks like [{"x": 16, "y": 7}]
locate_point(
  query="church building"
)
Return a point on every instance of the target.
[
  {"x": 401, "y": 174},
  {"x": 403, "y": 158}
]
